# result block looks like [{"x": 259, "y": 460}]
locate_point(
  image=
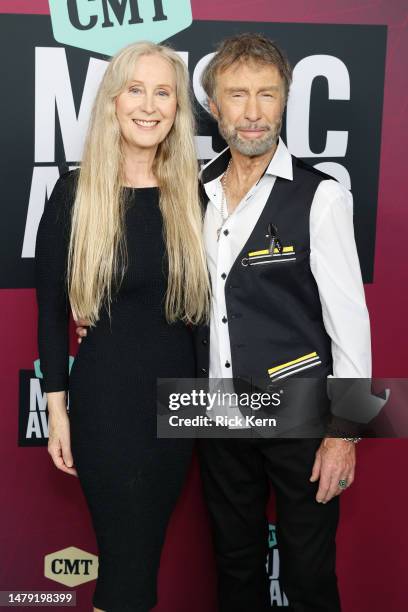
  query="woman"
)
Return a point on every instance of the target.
[{"x": 120, "y": 242}]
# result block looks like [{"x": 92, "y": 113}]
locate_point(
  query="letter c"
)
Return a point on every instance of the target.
[
  {"x": 298, "y": 109},
  {"x": 74, "y": 16},
  {"x": 54, "y": 568}
]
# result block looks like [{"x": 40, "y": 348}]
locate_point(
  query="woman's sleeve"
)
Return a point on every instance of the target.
[{"x": 51, "y": 284}]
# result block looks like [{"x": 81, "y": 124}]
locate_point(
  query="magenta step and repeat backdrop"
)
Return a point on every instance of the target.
[{"x": 348, "y": 115}]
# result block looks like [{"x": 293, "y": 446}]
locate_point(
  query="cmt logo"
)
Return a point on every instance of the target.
[
  {"x": 71, "y": 566},
  {"x": 33, "y": 413},
  {"x": 105, "y": 26}
]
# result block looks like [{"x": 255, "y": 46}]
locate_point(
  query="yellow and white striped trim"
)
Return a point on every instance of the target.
[
  {"x": 296, "y": 365},
  {"x": 286, "y": 249}
]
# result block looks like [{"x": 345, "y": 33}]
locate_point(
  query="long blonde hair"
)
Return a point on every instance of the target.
[{"x": 97, "y": 256}]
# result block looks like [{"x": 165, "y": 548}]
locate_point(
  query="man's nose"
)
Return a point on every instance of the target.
[{"x": 252, "y": 111}]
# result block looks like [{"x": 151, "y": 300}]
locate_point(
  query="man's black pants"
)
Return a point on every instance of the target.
[{"x": 236, "y": 475}]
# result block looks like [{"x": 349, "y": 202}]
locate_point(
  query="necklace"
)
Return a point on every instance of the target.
[{"x": 224, "y": 207}]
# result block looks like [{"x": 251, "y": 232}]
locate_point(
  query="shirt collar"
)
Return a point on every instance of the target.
[{"x": 280, "y": 164}]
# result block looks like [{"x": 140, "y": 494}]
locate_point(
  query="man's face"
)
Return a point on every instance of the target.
[{"x": 250, "y": 100}]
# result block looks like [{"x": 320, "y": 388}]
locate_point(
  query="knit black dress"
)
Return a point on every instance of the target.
[{"x": 131, "y": 479}]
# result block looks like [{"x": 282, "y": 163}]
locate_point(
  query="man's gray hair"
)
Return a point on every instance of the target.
[{"x": 245, "y": 48}]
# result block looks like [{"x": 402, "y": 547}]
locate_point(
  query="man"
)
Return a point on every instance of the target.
[{"x": 277, "y": 311}]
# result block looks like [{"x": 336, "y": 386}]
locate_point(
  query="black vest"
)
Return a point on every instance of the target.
[{"x": 273, "y": 308}]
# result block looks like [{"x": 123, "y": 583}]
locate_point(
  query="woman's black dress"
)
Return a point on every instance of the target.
[{"x": 131, "y": 479}]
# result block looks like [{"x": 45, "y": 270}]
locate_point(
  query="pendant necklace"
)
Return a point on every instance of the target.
[{"x": 224, "y": 207}]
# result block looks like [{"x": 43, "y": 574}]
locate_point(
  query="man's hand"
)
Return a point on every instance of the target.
[
  {"x": 81, "y": 330},
  {"x": 335, "y": 460}
]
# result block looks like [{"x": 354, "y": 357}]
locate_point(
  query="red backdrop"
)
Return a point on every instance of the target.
[{"x": 40, "y": 503}]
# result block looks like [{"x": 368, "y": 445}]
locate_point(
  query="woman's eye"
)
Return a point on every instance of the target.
[
  {"x": 163, "y": 92},
  {"x": 135, "y": 90}
]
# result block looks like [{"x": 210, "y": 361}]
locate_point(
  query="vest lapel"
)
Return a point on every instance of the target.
[{"x": 280, "y": 193}]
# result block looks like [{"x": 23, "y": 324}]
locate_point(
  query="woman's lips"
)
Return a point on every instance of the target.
[{"x": 146, "y": 124}]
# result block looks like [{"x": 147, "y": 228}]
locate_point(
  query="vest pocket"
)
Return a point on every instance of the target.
[
  {"x": 305, "y": 362},
  {"x": 264, "y": 257}
]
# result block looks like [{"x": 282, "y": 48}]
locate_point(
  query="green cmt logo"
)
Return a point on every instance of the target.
[{"x": 105, "y": 26}]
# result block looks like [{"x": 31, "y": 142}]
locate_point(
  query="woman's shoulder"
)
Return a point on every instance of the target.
[
  {"x": 63, "y": 193},
  {"x": 68, "y": 180},
  {"x": 59, "y": 205}
]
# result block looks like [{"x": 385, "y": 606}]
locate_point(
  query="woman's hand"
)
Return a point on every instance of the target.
[
  {"x": 59, "y": 439},
  {"x": 80, "y": 329}
]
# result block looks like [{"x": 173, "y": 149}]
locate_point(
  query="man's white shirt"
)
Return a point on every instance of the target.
[{"x": 333, "y": 260}]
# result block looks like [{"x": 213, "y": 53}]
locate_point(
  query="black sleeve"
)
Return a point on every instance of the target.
[{"x": 51, "y": 284}]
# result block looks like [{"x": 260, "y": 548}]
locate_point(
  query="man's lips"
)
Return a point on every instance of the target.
[{"x": 252, "y": 132}]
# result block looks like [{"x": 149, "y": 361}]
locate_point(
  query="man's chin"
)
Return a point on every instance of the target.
[{"x": 254, "y": 148}]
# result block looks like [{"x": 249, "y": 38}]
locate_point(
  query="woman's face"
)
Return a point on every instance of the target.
[{"x": 146, "y": 109}]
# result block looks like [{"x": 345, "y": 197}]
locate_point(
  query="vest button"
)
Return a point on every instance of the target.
[
  {"x": 224, "y": 319},
  {"x": 204, "y": 370},
  {"x": 205, "y": 341},
  {"x": 223, "y": 276},
  {"x": 227, "y": 364}
]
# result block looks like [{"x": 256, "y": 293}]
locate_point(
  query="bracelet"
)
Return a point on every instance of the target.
[{"x": 354, "y": 440}]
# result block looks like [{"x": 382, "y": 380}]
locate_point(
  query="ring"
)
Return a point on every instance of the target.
[{"x": 343, "y": 483}]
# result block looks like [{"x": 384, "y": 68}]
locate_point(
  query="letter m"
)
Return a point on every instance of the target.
[
  {"x": 71, "y": 567},
  {"x": 53, "y": 94}
]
